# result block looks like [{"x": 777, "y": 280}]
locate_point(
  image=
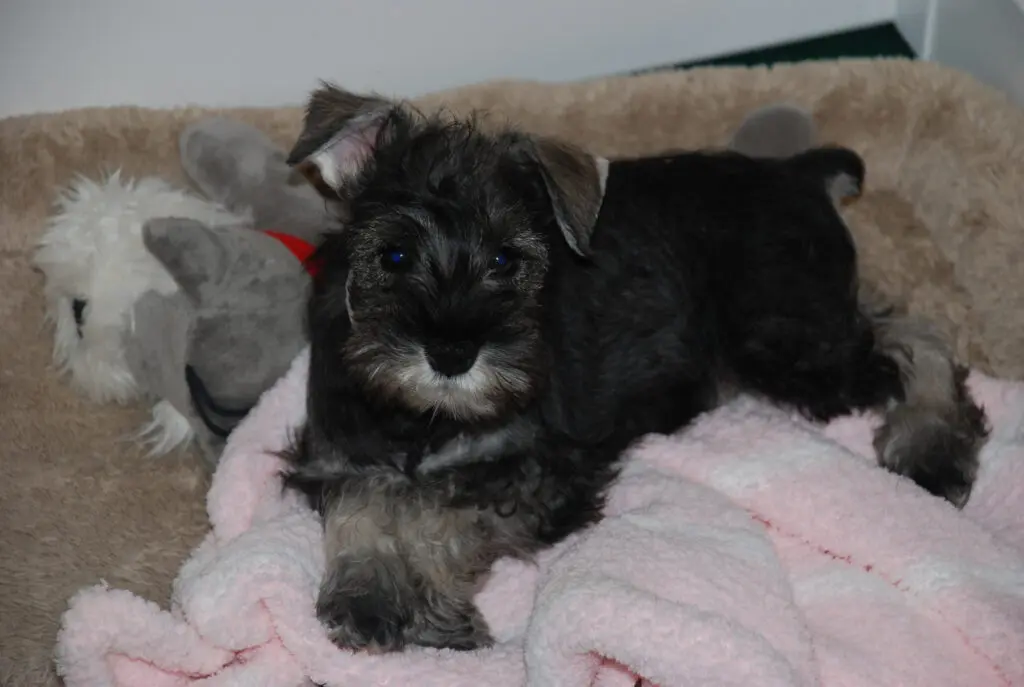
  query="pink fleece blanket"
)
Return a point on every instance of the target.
[{"x": 753, "y": 549}]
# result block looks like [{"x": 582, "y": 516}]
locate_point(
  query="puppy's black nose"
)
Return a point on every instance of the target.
[
  {"x": 452, "y": 358},
  {"x": 78, "y": 310}
]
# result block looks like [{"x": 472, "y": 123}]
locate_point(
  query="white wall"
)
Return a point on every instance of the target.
[
  {"x": 982, "y": 37},
  {"x": 57, "y": 54}
]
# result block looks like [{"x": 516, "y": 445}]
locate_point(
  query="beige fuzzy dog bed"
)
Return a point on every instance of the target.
[{"x": 939, "y": 228}]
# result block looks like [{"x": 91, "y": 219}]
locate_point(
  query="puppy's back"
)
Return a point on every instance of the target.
[
  {"x": 686, "y": 248},
  {"x": 712, "y": 205}
]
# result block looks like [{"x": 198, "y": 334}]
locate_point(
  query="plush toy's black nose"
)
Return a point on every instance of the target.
[
  {"x": 78, "y": 308},
  {"x": 452, "y": 358}
]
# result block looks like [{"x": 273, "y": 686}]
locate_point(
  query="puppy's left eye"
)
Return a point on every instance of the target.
[
  {"x": 505, "y": 263},
  {"x": 395, "y": 259}
]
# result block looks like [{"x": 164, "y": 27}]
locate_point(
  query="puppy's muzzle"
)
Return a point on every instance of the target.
[{"x": 452, "y": 358}]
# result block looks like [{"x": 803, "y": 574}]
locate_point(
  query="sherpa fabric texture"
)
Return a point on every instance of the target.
[
  {"x": 754, "y": 548},
  {"x": 939, "y": 228}
]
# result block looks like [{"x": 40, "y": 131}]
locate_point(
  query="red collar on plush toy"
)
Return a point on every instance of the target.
[{"x": 299, "y": 248}]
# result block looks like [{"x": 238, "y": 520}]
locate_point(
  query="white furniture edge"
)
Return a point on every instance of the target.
[{"x": 985, "y": 38}]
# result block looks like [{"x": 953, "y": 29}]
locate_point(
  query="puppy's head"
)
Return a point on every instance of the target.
[{"x": 431, "y": 293}]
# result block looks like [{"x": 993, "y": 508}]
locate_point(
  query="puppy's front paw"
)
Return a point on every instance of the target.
[
  {"x": 362, "y": 623},
  {"x": 366, "y": 607},
  {"x": 362, "y": 609},
  {"x": 445, "y": 623}
]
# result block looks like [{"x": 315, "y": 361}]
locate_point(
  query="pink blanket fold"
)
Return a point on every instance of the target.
[{"x": 752, "y": 549}]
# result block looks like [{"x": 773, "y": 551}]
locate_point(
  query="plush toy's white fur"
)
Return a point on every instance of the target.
[{"x": 92, "y": 250}]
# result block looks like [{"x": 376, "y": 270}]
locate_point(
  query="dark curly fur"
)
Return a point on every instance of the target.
[{"x": 502, "y": 315}]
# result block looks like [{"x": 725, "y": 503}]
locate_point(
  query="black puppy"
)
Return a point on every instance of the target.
[{"x": 499, "y": 316}]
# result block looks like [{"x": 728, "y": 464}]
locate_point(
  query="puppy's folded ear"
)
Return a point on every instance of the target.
[
  {"x": 339, "y": 132},
  {"x": 575, "y": 183}
]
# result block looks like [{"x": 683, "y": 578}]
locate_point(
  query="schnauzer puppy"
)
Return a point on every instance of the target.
[{"x": 500, "y": 315}]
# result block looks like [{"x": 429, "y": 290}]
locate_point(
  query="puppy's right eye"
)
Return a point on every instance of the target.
[
  {"x": 505, "y": 263},
  {"x": 395, "y": 259}
]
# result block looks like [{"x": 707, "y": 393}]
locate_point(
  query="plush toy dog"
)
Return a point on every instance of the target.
[
  {"x": 159, "y": 293},
  {"x": 96, "y": 269},
  {"x": 197, "y": 303}
]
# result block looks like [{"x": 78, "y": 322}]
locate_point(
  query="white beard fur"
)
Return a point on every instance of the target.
[{"x": 92, "y": 249}]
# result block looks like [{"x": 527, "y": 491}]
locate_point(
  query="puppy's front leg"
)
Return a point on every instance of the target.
[
  {"x": 402, "y": 568},
  {"x": 448, "y": 550},
  {"x": 361, "y": 602},
  {"x": 364, "y": 599}
]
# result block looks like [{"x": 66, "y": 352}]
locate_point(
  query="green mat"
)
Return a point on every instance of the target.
[{"x": 882, "y": 40}]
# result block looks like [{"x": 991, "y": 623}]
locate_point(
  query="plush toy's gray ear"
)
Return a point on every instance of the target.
[
  {"x": 193, "y": 254},
  {"x": 575, "y": 182},
  {"x": 788, "y": 132},
  {"x": 240, "y": 167},
  {"x": 339, "y": 132},
  {"x": 777, "y": 131}
]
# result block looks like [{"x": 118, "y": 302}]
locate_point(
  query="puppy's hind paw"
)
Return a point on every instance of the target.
[{"x": 940, "y": 454}]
